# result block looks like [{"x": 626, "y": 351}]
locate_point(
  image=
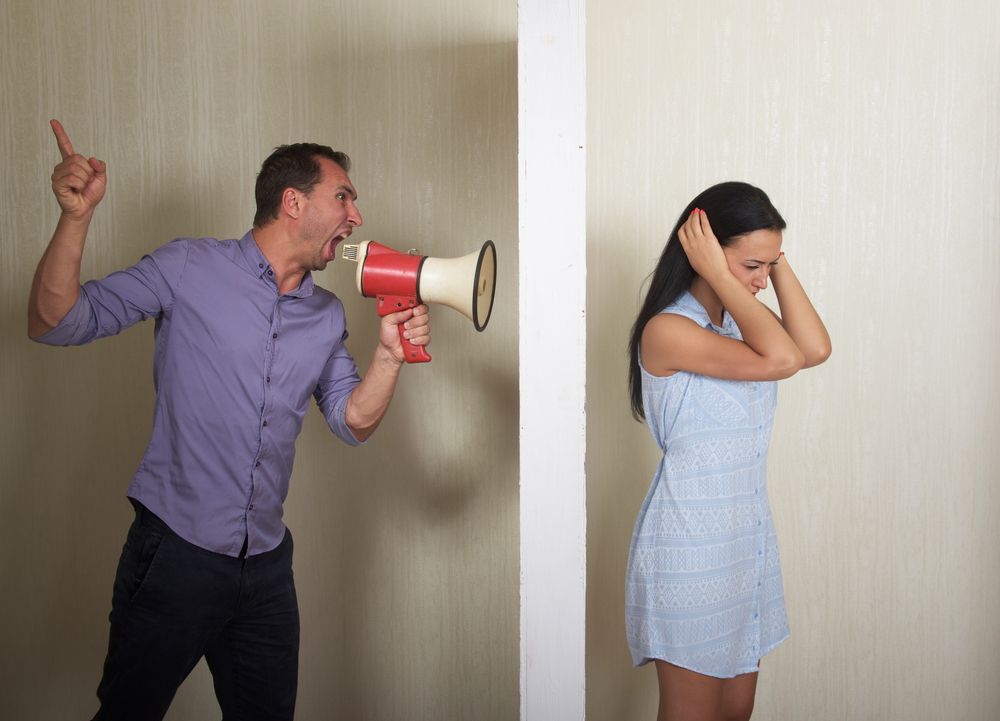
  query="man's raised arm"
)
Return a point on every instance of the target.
[{"x": 78, "y": 184}]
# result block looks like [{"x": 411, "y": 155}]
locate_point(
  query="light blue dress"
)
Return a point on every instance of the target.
[{"x": 703, "y": 587}]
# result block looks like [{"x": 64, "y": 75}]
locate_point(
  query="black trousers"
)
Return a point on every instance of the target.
[{"x": 174, "y": 602}]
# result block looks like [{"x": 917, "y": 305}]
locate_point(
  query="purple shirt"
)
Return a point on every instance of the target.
[{"x": 234, "y": 366}]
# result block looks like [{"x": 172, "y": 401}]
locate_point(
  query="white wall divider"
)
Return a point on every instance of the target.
[{"x": 552, "y": 356}]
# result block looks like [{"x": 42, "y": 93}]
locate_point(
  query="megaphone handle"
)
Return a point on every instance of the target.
[{"x": 412, "y": 353}]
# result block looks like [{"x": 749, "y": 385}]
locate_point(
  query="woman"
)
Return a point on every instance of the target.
[{"x": 704, "y": 597}]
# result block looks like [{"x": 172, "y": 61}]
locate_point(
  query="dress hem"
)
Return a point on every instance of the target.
[{"x": 643, "y": 660}]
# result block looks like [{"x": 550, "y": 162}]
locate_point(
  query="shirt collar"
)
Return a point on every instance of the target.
[
  {"x": 728, "y": 323},
  {"x": 258, "y": 265}
]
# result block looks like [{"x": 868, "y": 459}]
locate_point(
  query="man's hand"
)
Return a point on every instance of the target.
[
  {"x": 77, "y": 182},
  {"x": 369, "y": 400},
  {"x": 416, "y": 328}
]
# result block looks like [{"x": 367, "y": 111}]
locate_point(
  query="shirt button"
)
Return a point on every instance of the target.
[
  {"x": 260, "y": 265},
  {"x": 268, "y": 379},
  {"x": 257, "y": 464},
  {"x": 274, "y": 335},
  {"x": 251, "y": 507},
  {"x": 270, "y": 272},
  {"x": 265, "y": 423}
]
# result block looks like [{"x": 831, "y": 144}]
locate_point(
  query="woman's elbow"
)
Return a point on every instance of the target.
[{"x": 816, "y": 355}]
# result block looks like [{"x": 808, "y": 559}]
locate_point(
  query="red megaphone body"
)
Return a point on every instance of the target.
[{"x": 392, "y": 278}]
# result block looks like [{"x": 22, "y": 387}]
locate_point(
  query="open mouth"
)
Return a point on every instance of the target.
[{"x": 330, "y": 252}]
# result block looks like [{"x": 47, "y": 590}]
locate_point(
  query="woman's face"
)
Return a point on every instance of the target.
[{"x": 752, "y": 256}]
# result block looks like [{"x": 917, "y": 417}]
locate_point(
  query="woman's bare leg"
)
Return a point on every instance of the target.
[
  {"x": 737, "y": 697},
  {"x": 686, "y": 695}
]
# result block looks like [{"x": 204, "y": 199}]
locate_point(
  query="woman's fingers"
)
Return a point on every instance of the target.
[
  {"x": 703, "y": 223},
  {"x": 702, "y": 248}
]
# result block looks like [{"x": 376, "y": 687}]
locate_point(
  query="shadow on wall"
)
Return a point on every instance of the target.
[
  {"x": 423, "y": 520},
  {"x": 621, "y": 456}
]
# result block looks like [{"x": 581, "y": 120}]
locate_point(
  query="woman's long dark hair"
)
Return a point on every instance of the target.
[{"x": 734, "y": 209}]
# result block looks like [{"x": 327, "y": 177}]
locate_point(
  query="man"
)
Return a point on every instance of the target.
[{"x": 243, "y": 339}]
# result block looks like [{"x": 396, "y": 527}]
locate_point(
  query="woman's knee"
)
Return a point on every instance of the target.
[
  {"x": 738, "y": 697},
  {"x": 737, "y": 710}
]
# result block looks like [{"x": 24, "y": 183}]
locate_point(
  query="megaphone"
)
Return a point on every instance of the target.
[{"x": 404, "y": 280}]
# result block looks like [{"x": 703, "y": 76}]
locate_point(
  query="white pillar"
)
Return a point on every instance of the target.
[{"x": 552, "y": 291}]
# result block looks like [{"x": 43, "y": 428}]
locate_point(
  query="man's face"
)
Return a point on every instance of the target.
[{"x": 329, "y": 215}]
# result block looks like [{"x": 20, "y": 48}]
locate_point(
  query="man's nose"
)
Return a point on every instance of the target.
[{"x": 354, "y": 216}]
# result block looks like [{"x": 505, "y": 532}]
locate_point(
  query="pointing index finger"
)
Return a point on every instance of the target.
[{"x": 65, "y": 146}]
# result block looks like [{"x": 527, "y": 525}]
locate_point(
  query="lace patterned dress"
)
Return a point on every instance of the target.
[{"x": 703, "y": 586}]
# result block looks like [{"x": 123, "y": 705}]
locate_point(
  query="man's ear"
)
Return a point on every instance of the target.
[{"x": 291, "y": 202}]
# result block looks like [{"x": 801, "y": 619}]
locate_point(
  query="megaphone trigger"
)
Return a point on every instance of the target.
[
  {"x": 393, "y": 304},
  {"x": 412, "y": 353}
]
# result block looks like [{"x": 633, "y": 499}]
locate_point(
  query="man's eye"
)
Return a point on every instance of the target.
[{"x": 341, "y": 196}]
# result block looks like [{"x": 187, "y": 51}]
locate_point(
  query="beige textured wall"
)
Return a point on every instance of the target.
[
  {"x": 874, "y": 127},
  {"x": 406, "y": 550}
]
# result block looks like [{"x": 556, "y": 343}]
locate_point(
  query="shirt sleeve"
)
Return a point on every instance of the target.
[
  {"x": 108, "y": 306},
  {"x": 338, "y": 379}
]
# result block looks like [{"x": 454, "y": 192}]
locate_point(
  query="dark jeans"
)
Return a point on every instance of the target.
[{"x": 174, "y": 602}]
